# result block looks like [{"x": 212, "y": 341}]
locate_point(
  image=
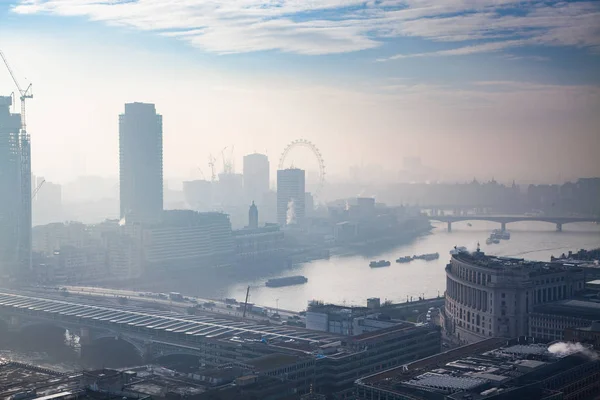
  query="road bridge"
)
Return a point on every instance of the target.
[
  {"x": 503, "y": 220},
  {"x": 153, "y": 333}
]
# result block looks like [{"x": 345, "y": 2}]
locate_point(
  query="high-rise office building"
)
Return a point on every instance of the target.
[
  {"x": 256, "y": 176},
  {"x": 140, "y": 162},
  {"x": 15, "y": 192},
  {"x": 290, "y": 196},
  {"x": 47, "y": 203},
  {"x": 198, "y": 194}
]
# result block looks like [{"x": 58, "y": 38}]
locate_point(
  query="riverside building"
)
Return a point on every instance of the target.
[{"x": 488, "y": 296}]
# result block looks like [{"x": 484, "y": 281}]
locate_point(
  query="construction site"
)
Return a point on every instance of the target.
[{"x": 15, "y": 182}]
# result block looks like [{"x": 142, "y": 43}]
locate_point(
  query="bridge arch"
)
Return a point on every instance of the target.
[{"x": 113, "y": 351}]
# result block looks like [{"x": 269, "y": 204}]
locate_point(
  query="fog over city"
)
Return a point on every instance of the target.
[
  {"x": 517, "y": 99},
  {"x": 299, "y": 199}
]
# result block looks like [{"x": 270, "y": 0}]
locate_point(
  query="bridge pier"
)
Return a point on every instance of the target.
[
  {"x": 503, "y": 226},
  {"x": 14, "y": 323},
  {"x": 449, "y": 226},
  {"x": 558, "y": 227},
  {"x": 84, "y": 336}
]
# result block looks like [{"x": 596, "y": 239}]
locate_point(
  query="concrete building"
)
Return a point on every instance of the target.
[
  {"x": 256, "y": 177},
  {"x": 140, "y": 163},
  {"x": 229, "y": 190},
  {"x": 491, "y": 369},
  {"x": 15, "y": 187},
  {"x": 124, "y": 253},
  {"x": 77, "y": 265},
  {"x": 589, "y": 335},
  {"x": 187, "y": 239},
  {"x": 550, "y": 321},
  {"x": 347, "y": 321},
  {"x": 309, "y": 204},
  {"x": 290, "y": 196},
  {"x": 47, "y": 204},
  {"x": 198, "y": 195},
  {"x": 259, "y": 244},
  {"x": 490, "y": 296},
  {"x": 52, "y": 237},
  {"x": 76, "y": 246}
]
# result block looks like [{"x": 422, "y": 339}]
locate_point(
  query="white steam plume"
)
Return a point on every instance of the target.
[
  {"x": 471, "y": 247},
  {"x": 291, "y": 213},
  {"x": 562, "y": 349}
]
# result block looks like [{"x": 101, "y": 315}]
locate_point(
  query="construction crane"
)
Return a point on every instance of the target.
[
  {"x": 246, "y": 302},
  {"x": 24, "y": 94},
  {"x": 201, "y": 173},
  {"x": 223, "y": 158},
  {"x": 228, "y": 165},
  {"x": 211, "y": 164},
  {"x": 37, "y": 189}
]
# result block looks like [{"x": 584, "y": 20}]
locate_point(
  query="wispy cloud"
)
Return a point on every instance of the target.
[
  {"x": 461, "y": 51},
  {"x": 339, "y": 26}
]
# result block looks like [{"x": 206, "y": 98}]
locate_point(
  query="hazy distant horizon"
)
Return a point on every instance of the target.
[{"x": 504, "y": 90}]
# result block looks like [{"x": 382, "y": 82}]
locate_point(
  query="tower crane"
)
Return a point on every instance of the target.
[
  {"x": 37, "y": 189},
  {"x": 201, "y": 173},
  {"x": 24, "y": 94},
  {"x": 211, "y": 164},
  {"x": 224, "y": 161}
]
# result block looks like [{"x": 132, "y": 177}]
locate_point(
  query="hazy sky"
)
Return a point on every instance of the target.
[{"x": 474, "y": 87}]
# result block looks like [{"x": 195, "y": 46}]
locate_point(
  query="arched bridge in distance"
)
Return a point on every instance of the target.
[{"x": 503, "y": 220}]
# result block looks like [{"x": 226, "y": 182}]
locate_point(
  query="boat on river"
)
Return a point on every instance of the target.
[
  {"x": 403, "y": 260},
  {"x": 286, "y": 281},
  {"x": 380, "y": 263},
  {"x": 427, "y": 257}
]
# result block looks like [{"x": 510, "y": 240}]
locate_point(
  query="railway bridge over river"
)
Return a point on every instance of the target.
[
  {"x": 503, "y": 220},
  {"x": 215, "y": 339}
]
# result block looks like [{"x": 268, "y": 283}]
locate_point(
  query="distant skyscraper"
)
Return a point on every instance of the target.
[
  {"x": 290, "y": 196},
  {"x": 140, "y": 162},
  {"x": 256, "y": 176},
  {"x": 198, "y": 194},
  {"x": 15, "y": 192},
  {"x": 253, "y": 217},
  {"x": 47, "y": 204}
]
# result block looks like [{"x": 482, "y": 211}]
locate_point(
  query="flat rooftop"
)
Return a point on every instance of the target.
[
  {"x": 471, "y": 369},
  {"x": 17, "y": 377},
  {"x": 571, "y": 308},
  {"x": 480, "y": 259}
]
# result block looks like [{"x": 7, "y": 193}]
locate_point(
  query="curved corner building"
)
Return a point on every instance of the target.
[{"x": 489, "y": 296}]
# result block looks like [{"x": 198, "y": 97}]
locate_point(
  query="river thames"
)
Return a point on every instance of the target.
[{"x": 349, "y": 279}]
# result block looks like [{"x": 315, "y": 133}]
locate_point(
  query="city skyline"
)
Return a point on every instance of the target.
[{"x": 384, "y": 80}]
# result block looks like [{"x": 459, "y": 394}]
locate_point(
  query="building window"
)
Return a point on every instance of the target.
[{"x": 503, "y": 295}]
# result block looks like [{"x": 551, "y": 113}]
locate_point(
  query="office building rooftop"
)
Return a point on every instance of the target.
[
  {"x": 477, "y": 371},
  {"x": 480, "y": 259}
]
